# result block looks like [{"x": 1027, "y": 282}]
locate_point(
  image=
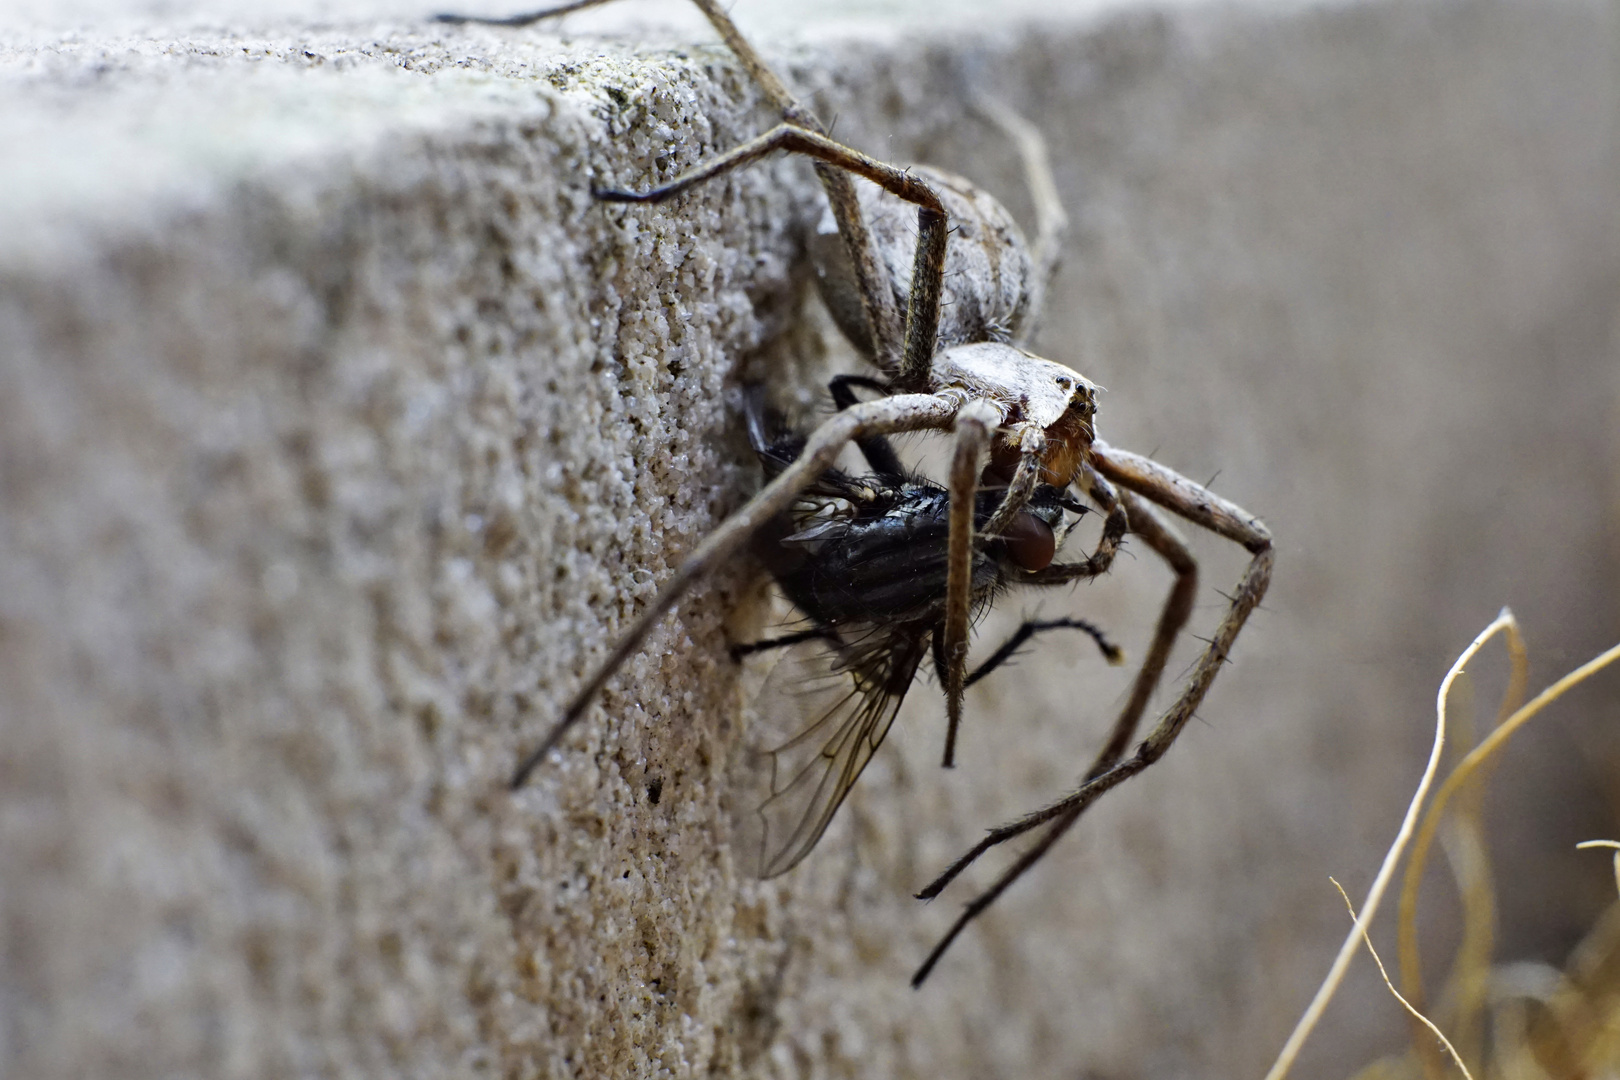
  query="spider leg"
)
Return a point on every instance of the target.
[
  {"x": 973, "y": 427},
  {"x": 1021, "y": 487},
  {"x": 905, "y": 412},
  {"x": 877, "y": 449},
  {"x": 1115, "y": 524},
  {"x": 1181, "y": 496},
  {"x": 1051, "y": 221},
  {"x": 928, "y": 266},
  {"x": 882, "y": 317},
  {"x": 1200, "y": 506},
  {"x": 1161, "y": 537},
  {"x": 877, "y": 300}
]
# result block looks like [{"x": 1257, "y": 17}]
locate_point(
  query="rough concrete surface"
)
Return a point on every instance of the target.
[{"x": 340, "y": 432}]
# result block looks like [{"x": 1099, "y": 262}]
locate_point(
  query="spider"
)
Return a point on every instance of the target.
[{"x": 1017, "y": 422}]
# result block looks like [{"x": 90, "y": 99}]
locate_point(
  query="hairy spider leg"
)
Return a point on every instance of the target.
[
  {"x": 902, "y": 412},
  {"x": 1160, "y": 536},
  {"x": 1202, "y": 507},
  {"x": 928, "y": 267},
  {"x": 877, "y": 301},
  {"x": 973, "y": 427}
]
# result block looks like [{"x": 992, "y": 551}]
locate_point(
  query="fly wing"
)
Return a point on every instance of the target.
[{"x": 849, "y": 694}]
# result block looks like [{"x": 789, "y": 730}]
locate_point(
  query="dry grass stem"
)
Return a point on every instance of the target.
[
  {"x": 1361, "y": 928},
  {"x": 1411, "y": 977},
  {"x": 1471, "y": 977},
  {"x": 1584, "y": 844}
]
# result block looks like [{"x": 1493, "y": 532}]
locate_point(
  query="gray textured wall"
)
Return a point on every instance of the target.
[{"x": 339, "y": 431}]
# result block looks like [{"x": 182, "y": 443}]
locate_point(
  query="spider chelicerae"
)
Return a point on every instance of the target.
[{"x": 952, "y": 360}]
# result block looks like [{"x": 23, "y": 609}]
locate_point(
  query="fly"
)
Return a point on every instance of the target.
[{"x": 864, "y": 561}]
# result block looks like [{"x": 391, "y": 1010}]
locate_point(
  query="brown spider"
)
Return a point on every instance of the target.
[{"x": 1016, "y": 420}]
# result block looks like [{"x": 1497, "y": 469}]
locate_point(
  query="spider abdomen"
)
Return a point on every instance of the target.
[{"x": 988, "y": 269}]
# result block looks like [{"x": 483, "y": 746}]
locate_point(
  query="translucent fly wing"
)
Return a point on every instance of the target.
[{"x": 841, "y": 700}]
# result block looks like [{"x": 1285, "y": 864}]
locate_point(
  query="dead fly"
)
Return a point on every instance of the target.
[
  {"x": 864, "y": 562},
  {"x": 970, "y": 291}
]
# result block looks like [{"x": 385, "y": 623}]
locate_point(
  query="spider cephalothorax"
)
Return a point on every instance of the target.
[{"x": 1037, "y": 401}]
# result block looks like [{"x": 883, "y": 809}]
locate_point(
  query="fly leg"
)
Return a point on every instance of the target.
[
  {"x": 1020, "y": 637},
  {"x": 815, "y": 633}
]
